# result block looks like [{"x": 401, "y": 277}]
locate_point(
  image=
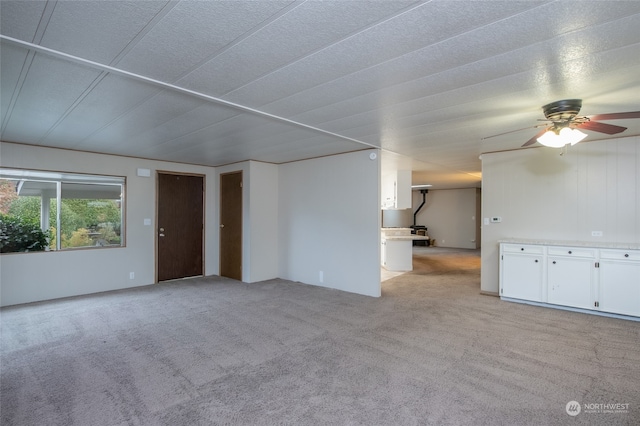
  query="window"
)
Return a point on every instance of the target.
[{"x": 69, "y": 210}]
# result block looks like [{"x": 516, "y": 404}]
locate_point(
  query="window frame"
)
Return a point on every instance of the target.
[{"x": 68, "y": 178}]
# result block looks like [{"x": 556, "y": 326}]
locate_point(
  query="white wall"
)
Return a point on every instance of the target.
[
  {"x": 595, "y": 186},
  {"x": 263, "y": 207},
  {"x": 298, "y": 219},
  {"x": 329, "y": 221},
  {"x": 27, "y": 277},
  {"x": 450, "y": 216}
]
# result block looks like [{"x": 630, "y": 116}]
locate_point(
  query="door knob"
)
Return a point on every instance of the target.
[
  {"x": 162, "y": 235},
  {"x": 161, "y": 229},
  {"x": 221, "y": 226}
]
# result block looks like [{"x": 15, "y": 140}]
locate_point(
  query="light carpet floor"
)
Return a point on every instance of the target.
[{"x": 206, "y": 351}]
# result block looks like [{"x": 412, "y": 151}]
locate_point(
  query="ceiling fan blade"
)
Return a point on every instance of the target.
[
  {"x": 616, "y": 116},
  {"x": 596, "y": 126},
  {"x": 535, "y": 138}
]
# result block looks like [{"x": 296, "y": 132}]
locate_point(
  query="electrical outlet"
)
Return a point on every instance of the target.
[
  {"x": 596, "y": 233},
  {"x": 496, "y": 219},
  {"x": 132, "y": 275}
]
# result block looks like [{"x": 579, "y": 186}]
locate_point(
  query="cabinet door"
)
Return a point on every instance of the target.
[
  {"x": 398, "y": 255},
  {"x": 620, "y": 287},
  {"x": 569, "y": 281},
  {"x": 403, "y": 189},
  {"x": 521, "y": 276}
]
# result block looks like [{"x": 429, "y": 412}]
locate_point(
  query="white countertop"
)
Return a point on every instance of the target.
[
  {"x": 401, "y": 234},
  {"x": 405, "y": 237},
  {"x": 595, "y": 244}
]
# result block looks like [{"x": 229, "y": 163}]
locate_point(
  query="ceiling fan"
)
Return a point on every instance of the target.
[{"x": 565, "y": 122}]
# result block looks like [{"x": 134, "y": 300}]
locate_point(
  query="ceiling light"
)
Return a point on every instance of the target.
[{"x": 557, "y": 138}]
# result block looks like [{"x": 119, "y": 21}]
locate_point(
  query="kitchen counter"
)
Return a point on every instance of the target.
[
  {"x": 405, "y": 237},
  {"x": 594, "y": 244},
  {"x": 397, "y": 254}
]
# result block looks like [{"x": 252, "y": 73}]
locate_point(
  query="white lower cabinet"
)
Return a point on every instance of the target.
[
  {"x": 619, "y": 282},
  {"x": 587, "y": 278},
  {"x": 522, "y": 272},
  {"x": 570, "y": 277},
  {"x": 397, "y": 254}
]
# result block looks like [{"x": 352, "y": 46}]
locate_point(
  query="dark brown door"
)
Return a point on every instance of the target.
[
  {"x": 180, "y": 226},
  {"x": 231, "y": 225}
]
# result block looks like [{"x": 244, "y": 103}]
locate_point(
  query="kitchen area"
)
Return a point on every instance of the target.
[
  {"x": 452, "y": 215},
  {"x": 399, "y": 231}
]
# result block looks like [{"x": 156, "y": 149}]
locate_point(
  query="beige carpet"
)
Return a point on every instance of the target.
[{"x": 215, "y": 351}]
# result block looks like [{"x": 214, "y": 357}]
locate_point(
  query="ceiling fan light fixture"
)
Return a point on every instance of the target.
[
  {"x": 551, "y": 139},
  {"x": 572, "y": 136},
  {"x": 555, "y": 138}
]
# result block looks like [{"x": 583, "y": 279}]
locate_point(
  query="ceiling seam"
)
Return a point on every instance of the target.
[
  {"x": 144, "y": 31},
  {"x": 345, "y": 38},
  {"x": 379, "y": 63},
  {"x": 117, "y": 71},
  {"x": 75, "y": 103},
  {"x": 24, "y": 71},
  {"x": 249, "y": 34},
  {"x": 488, "y": 59},
  {"x": 259, "y": 28},
  {"x": 161, "y": 14},
  {"x": 45, "y": 18},
  {"x": 476, "y": 84},
  {"x": 238, "y": 40}
]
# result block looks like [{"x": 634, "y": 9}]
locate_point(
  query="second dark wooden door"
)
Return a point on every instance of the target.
[
  {"x": 180, "y": 226},
  {"x": 231, "y": 225}
]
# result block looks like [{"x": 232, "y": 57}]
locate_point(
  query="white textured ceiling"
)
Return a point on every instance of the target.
[{"x": 216, "y": 82}]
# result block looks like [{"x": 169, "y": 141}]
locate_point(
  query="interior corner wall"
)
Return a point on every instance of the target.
[
  {"x": 329, "y": 222},
  {"x": 263, "y": 221},
  {"x": 450, "y": 216},
  {"x": 540, "y": 194},
  {"x": 29, "y": 277}
]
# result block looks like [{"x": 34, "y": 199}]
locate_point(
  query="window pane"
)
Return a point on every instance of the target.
[
  {"x": 25, "y": 209},
  {"x": 90, "y": 215}
]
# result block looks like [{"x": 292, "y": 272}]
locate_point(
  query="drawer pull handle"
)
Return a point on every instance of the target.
[
  {"x": 554, "y": 262},
  {"x": 536, "y": 260},
  {"x": 522, "y": 249},
  {"x": 569, "y": 251},
  {"x": 626, "y": 255}
]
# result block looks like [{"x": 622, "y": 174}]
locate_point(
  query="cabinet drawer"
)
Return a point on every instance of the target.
[
  {"x": 571, "y": 251},
  {"x": 522, "y": 248},
  {"x": 619, "y": 254}
]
